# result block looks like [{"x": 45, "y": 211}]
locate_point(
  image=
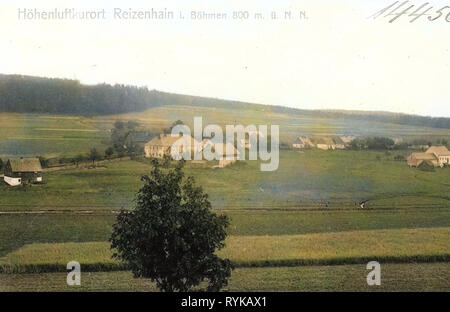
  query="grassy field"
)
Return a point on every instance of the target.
[
  {"x": 394, "y": 277},
  {"x": 23, "y": 135},
  {"x": 17, "y": 230},
  {"x": 51, "y": 135},
  {"x": 20, "y": 229},
  {"x": 305, "y": 213},
  {"x": 312, "y": 179},
  {"x": 410, "y": 245}
]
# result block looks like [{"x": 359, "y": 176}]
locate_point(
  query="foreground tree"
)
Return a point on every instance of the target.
[{"x": 172, "y": 234}]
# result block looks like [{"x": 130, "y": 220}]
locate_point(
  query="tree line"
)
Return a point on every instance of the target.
[
  {"x": 27, "y": 94},
  {"x": 24, "y": 94}
]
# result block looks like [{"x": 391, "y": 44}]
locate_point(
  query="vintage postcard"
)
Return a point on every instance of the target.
[{"x": 225, "y": 146}]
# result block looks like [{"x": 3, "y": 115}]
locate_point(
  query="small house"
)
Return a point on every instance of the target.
[
  {"x": 229, "y": 154},
  {"x": 324, "y": 143},
  {"x": 23, "y": 170},
  {"x": 302, "y": 142},
  {"x": 347, "y": 139},
  {"x": 338, "y": 143}
]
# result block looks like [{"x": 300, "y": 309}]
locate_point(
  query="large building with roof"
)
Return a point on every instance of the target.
[
  {"x": 441, "y": 153},
  {"x": 163, "y": 144},
  {"x": 437, "y": 156}
]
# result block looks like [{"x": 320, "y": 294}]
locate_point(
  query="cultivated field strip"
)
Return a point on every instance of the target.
[
  {"x": 388, "y": 246},
  {"x": 419, "y": 277}
]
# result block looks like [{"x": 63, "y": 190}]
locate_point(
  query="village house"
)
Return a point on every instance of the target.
[
  {"x": 229, "y": 153},
  {"x": 302, "y": 142},
  {"x": 442, "y": 154},
  {"x": 329, "y": 143},
  {"x": 347, "y": 139},
  {"x": 437, "y": 156},
  {"x": 338, "y": 143},
  {"x": 320, "y": 142},
  {"x": 161, "y": 146},
  {"x": 23, "y": 170},
  {"x": 417, "y": 159}
]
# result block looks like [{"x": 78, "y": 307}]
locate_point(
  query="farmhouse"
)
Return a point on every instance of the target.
[
  {"x": 339, "y": 143},
  {"x": 302, "y": 142},
  {"x": 23, "y": 170},
  {"x": 347, "y": 139},
  {"x": 441, "y": 153},
  {"x": 329, "y": 143},
  {"x": 417, "y": 159},
  {"x": 162, "y": 146},
  {"x": 321, "y": 142},
  {"x": 438, "y": 156},
  {"x": 229, "y": 154}
]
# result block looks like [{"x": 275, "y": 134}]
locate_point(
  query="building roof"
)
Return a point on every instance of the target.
[
  {"x": 323, "y": 140},
  {"x": 167, "y": 140},
  {"x": 423, "y": 156},
  {"x": 347, "y": 138},
  {"x": 25, "y": 165},
  {"x": 302, "y": 140},
  {"x": 338, "y": 140},
  {"x": 438, "y": 151}
]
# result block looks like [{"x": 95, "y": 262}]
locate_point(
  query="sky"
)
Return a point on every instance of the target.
[{"x": 332, "y": 57}]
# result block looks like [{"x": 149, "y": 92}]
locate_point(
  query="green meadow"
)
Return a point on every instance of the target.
[
  {"x": 17, "y": 230},
  {"x": 312, "y": 179},
  {"x": 297, "y": 228},
  {"x": 56, "y": 135},
  {"x": 28, "y": 135},
  {"x": 405, "y": 245},
  {"x": 309, "y": 181},
  {"x": 395, "y": 277}
]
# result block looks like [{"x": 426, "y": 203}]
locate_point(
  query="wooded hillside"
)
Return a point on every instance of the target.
[{"x": 26, "y": 94}]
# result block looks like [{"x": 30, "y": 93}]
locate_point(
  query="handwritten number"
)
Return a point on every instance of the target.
[
  {"x": 397, "y": 15},
  {"x": 384, "y": 10},
  {"x": 421, "y": 14},
  {"x": 392, "y": 10},
  {"x": 439, "y": 14}
]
